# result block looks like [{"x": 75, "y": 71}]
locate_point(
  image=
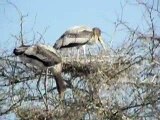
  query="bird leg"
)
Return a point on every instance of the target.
[
  {"x": 84, "y": 53},
  {"x": 71, "y": 55},
  {"x": 90, "y": 55},
  {"x": 38, "y": 82},
  {"x": 45, "y": 87},
  {"x": 77, "y": 54}
]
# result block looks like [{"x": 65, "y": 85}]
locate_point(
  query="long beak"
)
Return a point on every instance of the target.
[{"x": 102, "y": 42}]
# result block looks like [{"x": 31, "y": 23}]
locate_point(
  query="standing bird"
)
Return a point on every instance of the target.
[
  {"x": 79, "y": 36},
  {"x": 43, "y": 57}
]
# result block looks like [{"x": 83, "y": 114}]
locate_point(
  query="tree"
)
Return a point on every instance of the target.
[{"x": 118, "y": 86}]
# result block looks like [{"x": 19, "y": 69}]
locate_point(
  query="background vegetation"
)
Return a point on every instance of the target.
[{"x": 120, "y": 84}]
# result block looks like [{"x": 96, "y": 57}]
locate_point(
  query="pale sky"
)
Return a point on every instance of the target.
[{"x": 59, "y": 15}]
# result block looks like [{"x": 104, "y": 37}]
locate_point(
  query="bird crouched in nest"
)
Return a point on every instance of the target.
[{"x": 43, "y": 57}]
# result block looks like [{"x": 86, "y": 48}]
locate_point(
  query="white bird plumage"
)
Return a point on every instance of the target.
[
  {"x": 78, "y": 36},
  {"x": 43, "y": 57}
]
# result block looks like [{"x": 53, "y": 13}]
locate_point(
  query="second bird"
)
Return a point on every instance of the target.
[{"x": 79, "y": 36}]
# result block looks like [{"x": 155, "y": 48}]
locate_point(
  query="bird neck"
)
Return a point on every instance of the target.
[
  {"x": 59, "y": 83},
  {"x": 56, "y": 71},
  {"x": 95, "y": 38}
]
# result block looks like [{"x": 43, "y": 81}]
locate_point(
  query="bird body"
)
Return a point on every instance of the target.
[
  {"x": 42, "y": 57},
  {"x": 78, "y": 36},
  {"x": 38, "y": 55},
  {"x": 77, "y": 29}
]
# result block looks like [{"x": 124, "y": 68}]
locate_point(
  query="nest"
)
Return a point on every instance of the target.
[
  {"x": 79, "y": 69},
  {"x": 108, "y": 67},
  {"x": 34, "y": 114}
]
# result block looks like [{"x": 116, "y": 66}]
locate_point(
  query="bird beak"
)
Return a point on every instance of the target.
[{"x": 102, "y": 42}]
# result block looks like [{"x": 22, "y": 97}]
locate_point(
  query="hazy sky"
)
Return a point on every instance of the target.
[{"x": 59, "y": 15}]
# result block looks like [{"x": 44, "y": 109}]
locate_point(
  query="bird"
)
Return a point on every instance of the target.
[
  {"x": 43, "y": 57},
  {"x": 77, "y": 36}
]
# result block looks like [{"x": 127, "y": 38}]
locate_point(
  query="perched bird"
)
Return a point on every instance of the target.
[
  {"x": 43, "y": 57},
  {"x": 79, "y": 36}
]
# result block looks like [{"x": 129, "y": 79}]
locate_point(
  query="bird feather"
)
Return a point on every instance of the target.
[
  {"x": 48, "y": 57},
  {"x": 75, "y": 36}
]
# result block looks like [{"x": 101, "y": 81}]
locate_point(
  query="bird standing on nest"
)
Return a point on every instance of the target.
[
  {"x": 80, "y": 36},
  {"x": 43, "y": 57}
]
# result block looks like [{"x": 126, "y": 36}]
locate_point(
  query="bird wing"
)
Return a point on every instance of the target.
[
  {"x": 75, "y": 36},
  {"x": 45, "y": 54},
  {"x": 77, "y": 29}
]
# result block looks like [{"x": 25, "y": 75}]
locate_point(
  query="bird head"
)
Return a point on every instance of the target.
[
  {"x": 96, "y": 31},
  {"x": 97, "y": 34},
  {"x": 20, "y": 50}
]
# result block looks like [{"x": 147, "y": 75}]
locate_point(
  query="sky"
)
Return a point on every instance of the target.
[{"x": 56, "y": 16}]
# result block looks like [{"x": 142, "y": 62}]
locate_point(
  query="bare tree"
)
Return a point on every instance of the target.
[{"x": 120, "y": 86}]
